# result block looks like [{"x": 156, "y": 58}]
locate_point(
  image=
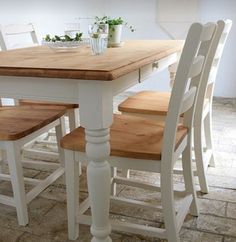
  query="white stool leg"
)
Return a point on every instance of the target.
[
  {"x": 16, "y": 172},
  {"x": 188, "y": 176},
  {"x": 125, "y": 173},
  {"x": 113, "y": 185},
  {"x": 208, "y": 137},
  {"x": 73, "y": 116},
  {"x": 167, "y": 200},
  {"x": 60, "y": 132},
  {"x": 1, "y": 160},
  {"x": 199, "y": 157},
  {"x": 72, "y": 191}
]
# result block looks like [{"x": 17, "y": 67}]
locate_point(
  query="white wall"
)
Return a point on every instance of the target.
[
  {"x": 211, "y": 10},
  {"x": 51, "y": 16}
]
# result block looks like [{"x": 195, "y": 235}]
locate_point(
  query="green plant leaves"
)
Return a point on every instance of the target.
[
  {"x": 113, "y": 21},
  {"x": 63, "y": 38}
]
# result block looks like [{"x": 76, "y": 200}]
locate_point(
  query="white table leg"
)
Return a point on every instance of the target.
[
  {"x": 173, "y": 69},
  {"x": 172, "y": 72},
  {"x": 96, "y": 112}
]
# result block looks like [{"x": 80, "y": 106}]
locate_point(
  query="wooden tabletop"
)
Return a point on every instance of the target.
[{"x": 81, "y": 64}]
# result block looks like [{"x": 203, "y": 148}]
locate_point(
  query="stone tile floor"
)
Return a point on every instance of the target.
[{"x": 217, "y": 220}]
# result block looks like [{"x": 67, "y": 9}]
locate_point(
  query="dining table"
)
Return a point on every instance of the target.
[{"x": 77, "y": 76}]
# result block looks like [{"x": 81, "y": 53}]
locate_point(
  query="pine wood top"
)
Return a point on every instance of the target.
[
  {"x": 81, "y": 64},
  {"x": 130, "y": 136},
  {"x": 27, "y": 102},
  {"x": 18, "y": 122},
  {"x": 147, "y": 102}
]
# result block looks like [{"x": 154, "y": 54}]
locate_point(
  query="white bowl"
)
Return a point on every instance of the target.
[{"x": 65, "y": 45}]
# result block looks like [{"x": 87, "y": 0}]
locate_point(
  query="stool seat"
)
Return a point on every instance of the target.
[
  {"x": 23, "y": 102},
  {"x": 130, "y": 137},
  {"x": 147, "y": 102},
  {"x": 18, "y": 122}
]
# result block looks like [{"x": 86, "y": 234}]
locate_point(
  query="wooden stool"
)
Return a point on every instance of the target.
[
  {"x": 155, "y": 105},
  {"x": 18, "y": 126}
]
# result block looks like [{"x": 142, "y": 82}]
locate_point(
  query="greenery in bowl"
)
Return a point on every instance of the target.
[
  {"x": 63, "y": 38},
  {"x": 113, "y": 21}
]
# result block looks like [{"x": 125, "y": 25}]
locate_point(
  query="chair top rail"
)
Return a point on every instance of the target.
[
  {"x": 14, "y": 29},
  {"x": 210, "y": 73},
  {"x": 208, "y": 31},
  {"x": 17, "y": 29}
]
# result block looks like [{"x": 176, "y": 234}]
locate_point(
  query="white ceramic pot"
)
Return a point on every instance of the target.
[{"x": 114, "y": 37}]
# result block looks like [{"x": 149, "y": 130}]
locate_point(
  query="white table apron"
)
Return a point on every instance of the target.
[{"x": 95, "y": 100}]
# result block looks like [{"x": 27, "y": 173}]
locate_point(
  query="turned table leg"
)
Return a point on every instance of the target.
[{"x": 96, "y": 113}]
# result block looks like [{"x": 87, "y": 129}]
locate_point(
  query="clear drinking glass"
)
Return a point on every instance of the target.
[{"x": 98, "y": 38}]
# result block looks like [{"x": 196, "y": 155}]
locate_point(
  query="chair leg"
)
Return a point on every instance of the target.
[
  {"x": 1, "y": 160},
  {"x": 73, "y": 124},
  {"x": 188, "y": 176},
  {"x": 72, "y": 190},
  {"x": 199, "y": 157},
  {"x": 73, "y": 118},
  {"x": 125, "y": 173},
  {"x": 113, "y": 185},
  {"x": 16, "y": 173},
  {"x": 208, "y": 137},
  {"x": 167, "y": 199},
  {"x": 60, "y": 132}
]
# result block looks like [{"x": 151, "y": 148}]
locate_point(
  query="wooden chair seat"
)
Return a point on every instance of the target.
[
  {"x": 18, "y": 122},
  {"x": 128, "y": 135},
  {"x": 25, "y": 102},
  {"x": 71, "y": 113},
  {"x": 149, "y": 103}
]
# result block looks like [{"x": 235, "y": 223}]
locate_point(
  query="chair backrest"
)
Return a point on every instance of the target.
[
  {"x": 207, "y": 85},
  {"x": 23, "y": 34},
  {"x": 15, "y": 36},
  {"x": 190, "y": 70}
]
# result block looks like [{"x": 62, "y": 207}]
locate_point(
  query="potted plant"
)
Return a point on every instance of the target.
[{"x": 115, "y": 29}]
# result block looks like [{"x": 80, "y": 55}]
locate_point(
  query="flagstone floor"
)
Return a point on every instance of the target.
[{"x": 216, "y": 222}]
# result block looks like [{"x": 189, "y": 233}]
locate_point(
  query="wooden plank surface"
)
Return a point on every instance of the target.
[
  {"x": 130, "y": 136},
  {"x": 27, "y": 102},
  {"x": 17, "y": 122},
  {"x": 147, "y": 102},
  {"x": 81, "y": 64}
]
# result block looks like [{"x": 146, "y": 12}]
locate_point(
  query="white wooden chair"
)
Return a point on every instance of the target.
[
  {"x": 8, "y": 31},
  {"x": 147, "y": 145},
  {"x": 154, "y": 105},
  {"x": 18, "y": 126},
  {"x": 20, "y": 36}
]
